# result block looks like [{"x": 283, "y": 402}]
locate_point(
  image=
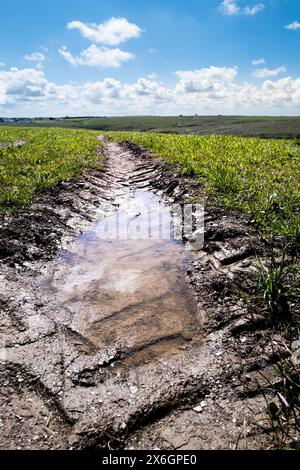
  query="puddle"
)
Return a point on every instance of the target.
[{"x": 123, "y": 283}]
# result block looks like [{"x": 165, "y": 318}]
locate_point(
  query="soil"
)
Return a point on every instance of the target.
[
  {"x": 130, "y": 344},
  {"x": 19, "y": 143}
]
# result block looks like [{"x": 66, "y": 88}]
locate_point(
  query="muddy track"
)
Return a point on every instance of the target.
[{"x": 103, "y": 351}]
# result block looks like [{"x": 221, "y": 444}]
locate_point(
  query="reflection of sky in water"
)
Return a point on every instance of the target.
[
  {"x": 140, "y": 217},
  {"x": 128, "y": 291}
]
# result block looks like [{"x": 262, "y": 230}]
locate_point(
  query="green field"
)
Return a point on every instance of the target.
[
  {"x": 258, "y": 176},
  {"x": 244, "y": 126},
  {"x": 47, "y": 156}
]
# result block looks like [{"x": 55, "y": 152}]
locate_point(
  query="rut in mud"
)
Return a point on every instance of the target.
[
  {"x": 127, "y": 343},
  {"x": 119, "y": 287}
]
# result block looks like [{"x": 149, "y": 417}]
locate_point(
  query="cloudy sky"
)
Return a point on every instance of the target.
[{"x": 124, "y": 57}]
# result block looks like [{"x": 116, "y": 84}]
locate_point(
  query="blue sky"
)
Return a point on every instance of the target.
[{"x": 119, "y": 57}]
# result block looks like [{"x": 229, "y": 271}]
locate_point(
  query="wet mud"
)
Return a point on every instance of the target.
[
  {"x": 110, "y": 340},
  {"x": 124, "y": 287}
]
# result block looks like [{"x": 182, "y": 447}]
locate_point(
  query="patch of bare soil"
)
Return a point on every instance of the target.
[
  {"x": 129, "y": 345},
  {"x": 19, "y": 143}
]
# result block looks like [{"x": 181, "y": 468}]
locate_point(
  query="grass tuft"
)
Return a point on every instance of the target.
[{"x": 271, "y": 281}]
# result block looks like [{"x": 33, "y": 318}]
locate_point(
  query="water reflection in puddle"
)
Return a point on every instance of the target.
[{"x": 124, "y": 281}]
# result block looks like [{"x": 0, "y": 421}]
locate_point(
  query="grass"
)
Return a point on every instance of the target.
[
  {"x": 272, "y": 282},
  {"x": 258, "y": 176},
  {"x": 283, "y": 409},
  {"x": 255, "y": 126},
  {"x": 47, "y": 157}
]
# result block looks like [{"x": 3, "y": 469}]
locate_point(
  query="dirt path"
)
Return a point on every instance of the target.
[{"x": 135, "y": 344}]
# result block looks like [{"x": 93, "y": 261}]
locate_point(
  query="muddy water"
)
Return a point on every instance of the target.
[{"x": 123, "y": 282}]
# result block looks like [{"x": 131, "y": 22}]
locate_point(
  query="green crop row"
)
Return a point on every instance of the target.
[
  {"x": 38, "y": 158},
  {"x": 258, "y": 176}
]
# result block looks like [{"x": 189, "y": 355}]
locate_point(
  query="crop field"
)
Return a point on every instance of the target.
[
  {"x": 258, "y": 176},
  {"x": 32, "y": 159},
  {"x": 244, "y": 126}
]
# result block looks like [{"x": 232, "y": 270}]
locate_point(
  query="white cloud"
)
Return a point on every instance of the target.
[
  {"x": 144, "y": 90},
  {"x": 256, "y": 62},
  {"x": 61, "y": 94},
  {"x": 283, "y": 92},
  {"x": 231, "y": 7},
  {"x": 2, "y": 64},
  {"x": 293, "y": 26},
  {"x": 97, "y": 57},
  {"x": 30, "y": 85},
  {"x": 250, "y": 11},
  {"x": 25, "y": 84},
  {"x": 35, "y": 57},
  {"x": 2, "y": 93},
  {"x": 111, "y": 32},
  {"x": 206, "y": 79},
  {"x": 265, "y": 73},
  {"x": 147, "y": 88},
  {"x": 95, "y": 92},
  {"x": 211, "y": 90}
]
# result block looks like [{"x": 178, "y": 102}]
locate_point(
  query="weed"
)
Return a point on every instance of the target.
[{"x": 271, "y": 281}]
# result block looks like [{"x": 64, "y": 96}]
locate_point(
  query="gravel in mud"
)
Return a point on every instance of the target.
[{"x": 98, "y": 350}]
